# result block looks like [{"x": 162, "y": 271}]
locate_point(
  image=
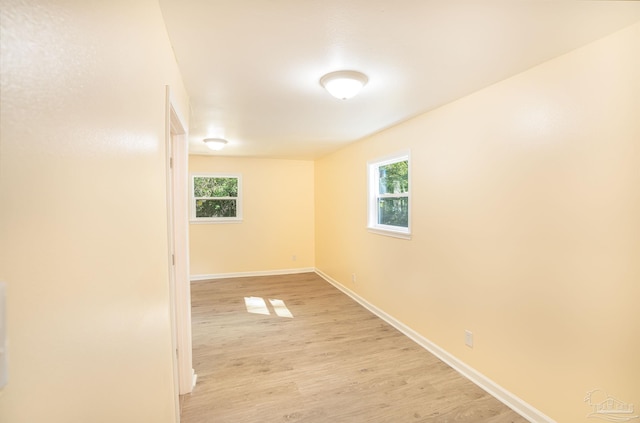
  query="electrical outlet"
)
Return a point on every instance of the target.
[
  {"x": 468, "y": 338},
  {"x": 294, "y": 257},
  {"x": 353, "y": 277}
]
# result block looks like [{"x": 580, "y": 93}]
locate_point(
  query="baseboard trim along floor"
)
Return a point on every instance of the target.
[
  {"x": 196, "y": 278},
  {"x": 510, "y": 400}
]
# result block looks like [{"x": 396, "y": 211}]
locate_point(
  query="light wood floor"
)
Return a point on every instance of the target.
[{"x": 332, "y": 362}]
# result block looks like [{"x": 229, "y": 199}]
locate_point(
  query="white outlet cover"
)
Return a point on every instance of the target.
[{"x": 468, "y": 338}]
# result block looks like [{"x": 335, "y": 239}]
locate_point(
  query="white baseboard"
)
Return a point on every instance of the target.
[
  {"x": 510, "y": 400},
  {"x": 195, "y": 278}
]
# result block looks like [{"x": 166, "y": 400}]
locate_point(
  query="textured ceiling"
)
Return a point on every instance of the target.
[{"x": 252, "y": 67}]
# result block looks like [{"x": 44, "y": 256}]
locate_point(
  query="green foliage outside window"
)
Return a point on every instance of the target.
[
  {"x": 215, "y": 196},
  {"x": 216, "y": 208},
  {"x": 207, "y": 186},
  {"x": 394, "y": 180},
  {"x": 394, "y": 211}
]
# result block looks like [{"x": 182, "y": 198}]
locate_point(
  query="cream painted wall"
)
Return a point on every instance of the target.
[
  {"x": 526, "y": 228},
  {"x": 83, "y": 223},
  {"x": 278, "y": 212}
]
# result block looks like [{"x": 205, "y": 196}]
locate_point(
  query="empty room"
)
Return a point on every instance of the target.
[{"x": 302, "y": 211}]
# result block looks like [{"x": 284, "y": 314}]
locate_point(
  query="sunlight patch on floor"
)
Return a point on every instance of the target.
[
  {"x": 257, "y": 305},
  {"x": 280, "y": 309}
]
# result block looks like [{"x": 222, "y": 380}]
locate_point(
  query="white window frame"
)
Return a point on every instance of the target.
[
  {"x": 192, "y": 199},
  {"x": 373, "y": 177}
]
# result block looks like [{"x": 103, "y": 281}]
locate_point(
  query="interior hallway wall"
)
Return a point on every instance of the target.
[
  {"x": 526, "y": 229},
  {"x": 83, "y": 222},
  {"x": 278, "y": 219}
]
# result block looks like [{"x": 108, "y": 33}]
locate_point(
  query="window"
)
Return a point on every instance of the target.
[
  {"x": 389, "y": 196},
  {"x": 216, "y": 198}
]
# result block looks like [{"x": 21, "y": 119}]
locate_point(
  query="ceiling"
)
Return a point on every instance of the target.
[{"x": 252, "y": 67}]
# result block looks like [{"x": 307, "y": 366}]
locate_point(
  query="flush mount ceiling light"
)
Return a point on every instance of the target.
[
  {"x": 344, "y": 84},
  {"x": 215, "y": 144}
]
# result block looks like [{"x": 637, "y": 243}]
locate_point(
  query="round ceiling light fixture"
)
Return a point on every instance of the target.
[
  {"x": 216, "y": 144},
  {"x": 344, "y": 84}
]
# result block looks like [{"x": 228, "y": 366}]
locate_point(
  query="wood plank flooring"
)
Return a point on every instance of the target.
[{"x": 332, "y": 362}]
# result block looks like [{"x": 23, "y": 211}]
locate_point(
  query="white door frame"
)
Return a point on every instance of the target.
[{"x": 178, "y": 232}]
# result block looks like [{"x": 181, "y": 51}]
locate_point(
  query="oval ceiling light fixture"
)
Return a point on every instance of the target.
[
  {"x": 344, "y": 84},
  {"x": 216, "y": 144}
]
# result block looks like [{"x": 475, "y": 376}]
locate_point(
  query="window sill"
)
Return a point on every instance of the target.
[
  {"x": 215, "y": 221},
  {"x": 389, "y": 232}
]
